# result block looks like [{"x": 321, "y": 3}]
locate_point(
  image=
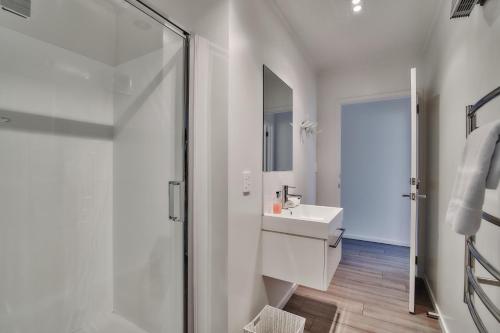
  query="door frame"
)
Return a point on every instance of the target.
[{"x": 413, "y": 232}]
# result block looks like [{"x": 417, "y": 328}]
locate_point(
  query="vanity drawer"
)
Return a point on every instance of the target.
[
  {"x": 307, "y": 261},
  {"x": 293, "y": 258}
]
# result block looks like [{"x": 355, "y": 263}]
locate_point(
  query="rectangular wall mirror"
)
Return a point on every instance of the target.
[{"x": 277, "y": 124}]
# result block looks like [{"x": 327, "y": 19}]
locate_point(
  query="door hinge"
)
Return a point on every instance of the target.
[
  {"x": 418, "y": 108},
  {"x": 413, "y": 181},
  {"x": 416, "y": 260}
]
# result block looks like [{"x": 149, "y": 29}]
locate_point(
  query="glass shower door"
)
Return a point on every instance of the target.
[
  {"x": 92, "y": 167},
  {"x": 148, "y": 176}
]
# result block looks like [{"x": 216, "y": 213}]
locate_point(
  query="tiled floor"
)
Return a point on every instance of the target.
[{"x": 369, "y": 293}]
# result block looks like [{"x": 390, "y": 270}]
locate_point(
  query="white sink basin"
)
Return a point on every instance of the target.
[{"x": 305, "y": 220}]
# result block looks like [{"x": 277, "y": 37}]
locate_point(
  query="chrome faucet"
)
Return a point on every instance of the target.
[{"x": 285, "y": 202}]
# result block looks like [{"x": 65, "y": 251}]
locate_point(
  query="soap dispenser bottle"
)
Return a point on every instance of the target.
[{"x": 277, "y": 203}]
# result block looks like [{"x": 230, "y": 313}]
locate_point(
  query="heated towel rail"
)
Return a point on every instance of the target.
[{"x": 472, "y": 283}]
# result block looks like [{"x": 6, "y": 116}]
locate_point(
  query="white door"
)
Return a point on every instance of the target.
[{"x": 414, "y": 187}]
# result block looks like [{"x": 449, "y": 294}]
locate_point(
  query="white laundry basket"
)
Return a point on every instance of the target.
[{"x": 273, "y": 320}]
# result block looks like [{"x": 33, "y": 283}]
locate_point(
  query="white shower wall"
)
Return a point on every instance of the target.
[{"x": 55, "y": 188}]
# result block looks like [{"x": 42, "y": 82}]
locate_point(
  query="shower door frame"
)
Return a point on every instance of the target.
[{"x": 161, "y": 18}]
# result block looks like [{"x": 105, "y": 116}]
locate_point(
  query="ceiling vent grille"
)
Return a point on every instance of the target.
[
  {"x": 18, "y": 7},
  {"x": 462, "y": 8}
]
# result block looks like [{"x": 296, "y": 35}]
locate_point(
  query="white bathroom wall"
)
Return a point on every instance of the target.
[
  {"x": 55, "y": 187},
  {"x": 376, "y": 168},
  {"x": 258, "y": 36},
  {"x": 461, "y": 65}
]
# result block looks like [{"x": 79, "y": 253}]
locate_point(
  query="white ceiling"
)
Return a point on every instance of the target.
[{"x": 385, "y": 31}]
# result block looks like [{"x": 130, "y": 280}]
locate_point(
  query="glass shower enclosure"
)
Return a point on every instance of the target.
[{"x": 93, "y": 121}]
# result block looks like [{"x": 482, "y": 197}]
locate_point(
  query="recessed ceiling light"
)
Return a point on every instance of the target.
[
  {"x": 357, "y": 8},
  {"x": 356, "y": 2}
]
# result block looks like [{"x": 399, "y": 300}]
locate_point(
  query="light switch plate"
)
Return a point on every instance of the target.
[{"x": 247, "y": 182}]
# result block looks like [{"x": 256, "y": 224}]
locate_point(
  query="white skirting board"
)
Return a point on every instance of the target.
[
  {"x": 376, "y": 240},
  {"x": 435, "y": 305},
  {"x": 287, "y": 296}
]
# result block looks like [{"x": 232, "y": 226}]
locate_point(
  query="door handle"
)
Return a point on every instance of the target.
[
  {"x": 413, "y": 195},
  {"x": 176, "y": 215}
]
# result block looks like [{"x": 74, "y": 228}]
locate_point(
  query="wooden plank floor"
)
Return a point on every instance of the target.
[{"x": 369, "y": 293}]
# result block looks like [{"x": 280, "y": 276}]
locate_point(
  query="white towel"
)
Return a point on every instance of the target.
[
  {"x": 467, "y": 198},
  {"x": 494, "y": 173}
]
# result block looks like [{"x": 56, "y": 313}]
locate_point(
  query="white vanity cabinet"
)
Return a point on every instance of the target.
[{"x": 304, "y": 247}]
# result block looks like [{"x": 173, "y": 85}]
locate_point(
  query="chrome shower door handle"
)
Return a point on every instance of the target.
[{"x": 176, "y": 202}]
